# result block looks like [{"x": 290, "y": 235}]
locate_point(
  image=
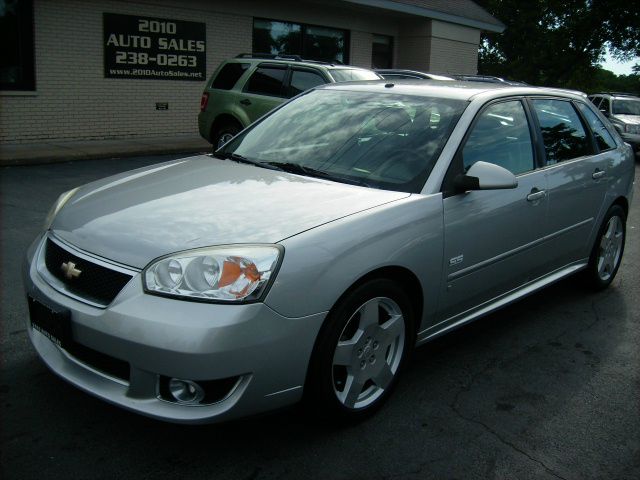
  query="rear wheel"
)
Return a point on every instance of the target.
[
  {"x": 606, "y": 255},
  {"x": 361, "y": 351},
  {"x": 223, "y": 134}
]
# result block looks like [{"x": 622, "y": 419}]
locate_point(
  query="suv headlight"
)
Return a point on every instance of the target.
[
  {"x": 57, "y": 206},
  {"x": 632, "y": 129},
  {"x": 217, "y": 274}
]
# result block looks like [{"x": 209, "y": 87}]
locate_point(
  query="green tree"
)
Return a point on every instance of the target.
[{"x": 559, "y": 42}]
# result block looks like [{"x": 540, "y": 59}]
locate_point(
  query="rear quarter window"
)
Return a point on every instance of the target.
[
  {"x": 302, "y": 80},
  {"x": 229, "y": 75},
  {"x": 353, "y": 74},
  {"x": 603, "y": 138}
]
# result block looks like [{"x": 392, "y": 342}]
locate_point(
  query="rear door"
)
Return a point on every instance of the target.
[
  {"x": 264, "y": 90},
  {"x": 493, "y": 237},
  {"x": 576, "y": 176}
]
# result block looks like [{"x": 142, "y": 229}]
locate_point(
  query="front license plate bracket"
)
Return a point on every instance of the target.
[{"x": 53, "y": 323}]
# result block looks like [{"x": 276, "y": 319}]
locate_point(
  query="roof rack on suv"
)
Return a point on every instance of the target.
[
  {"x": 295, "y": 58},
  {"x": 622, "y": 94},
  {"x": 282, "y": 56}
]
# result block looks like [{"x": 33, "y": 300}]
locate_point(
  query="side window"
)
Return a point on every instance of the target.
[
  {"x": 501, "y": 135},
  {"x": 603, "y": 138},
  {"x": 229, "y": 75},
  {"x": 605, "y": 106},
  {"x": 562, "y": 131},
  {"x": 266, "y": 81},
  {"x": 595, "y": 100},
  {"x": 302, "y": 80}
]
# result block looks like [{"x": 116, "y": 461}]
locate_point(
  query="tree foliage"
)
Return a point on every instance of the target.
[{"x": 560, "y": 42}]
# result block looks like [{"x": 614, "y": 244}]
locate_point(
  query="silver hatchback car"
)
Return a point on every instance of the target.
[{"x": 308, "y": 256}]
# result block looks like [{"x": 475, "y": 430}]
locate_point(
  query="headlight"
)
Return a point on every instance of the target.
[
  {"x": 632, "y": 129},
  {"x": 224, "y": 274},
  {"x": 57, "y": 206}
]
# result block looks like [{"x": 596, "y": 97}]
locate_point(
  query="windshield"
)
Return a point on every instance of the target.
[
  {"x": 384, "y": 141},
  {"x": 353, "y": 74},
  {"x": 626, "y": 107}
]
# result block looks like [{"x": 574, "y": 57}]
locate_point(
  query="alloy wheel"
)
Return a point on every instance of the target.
[
  {"x": 610, "y": 248},
  {"x": 368, "y": 353}
]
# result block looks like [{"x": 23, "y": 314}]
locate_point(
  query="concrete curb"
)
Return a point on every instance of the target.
[{"x": 55, "y": 152}]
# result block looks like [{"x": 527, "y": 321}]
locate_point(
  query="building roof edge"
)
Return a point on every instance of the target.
[{"x": 430, "y": 13}]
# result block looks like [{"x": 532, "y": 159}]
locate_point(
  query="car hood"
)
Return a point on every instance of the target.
[
  {"x": 629, "y": 119},
  {"x": 137, "y": 216}
]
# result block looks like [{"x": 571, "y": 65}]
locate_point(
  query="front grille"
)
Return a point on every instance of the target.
[{"x": 94, "y": 282}]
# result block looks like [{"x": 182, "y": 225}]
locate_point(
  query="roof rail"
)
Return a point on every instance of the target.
[
  {"x": 295, "y": 58},
  {"x": 622, "y": 94},
  {"x": 283, "y": 56}
]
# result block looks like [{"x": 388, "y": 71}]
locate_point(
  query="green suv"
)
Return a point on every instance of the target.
[{"x": 244, "y": 88}]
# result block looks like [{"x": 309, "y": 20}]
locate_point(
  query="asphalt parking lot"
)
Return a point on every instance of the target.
[{"x": 546, "y": 388}]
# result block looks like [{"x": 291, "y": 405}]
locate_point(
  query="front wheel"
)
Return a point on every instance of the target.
[
  {"x": 361, "y": 351},
  {"x": 606, "y": 255}
]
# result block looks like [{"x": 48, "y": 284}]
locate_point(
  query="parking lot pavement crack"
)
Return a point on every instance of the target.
[
  {"x": 505, "y": 441},
  {"x": 419, "y": 469},
  {"x": 596, "y": 314},
  {"x": 465, "y": 388}
]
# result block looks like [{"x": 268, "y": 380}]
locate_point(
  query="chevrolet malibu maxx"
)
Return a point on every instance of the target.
[{"x": 308, "y": 256}]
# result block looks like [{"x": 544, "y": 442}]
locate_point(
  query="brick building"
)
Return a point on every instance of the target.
[{"x": 100, "y": 69}]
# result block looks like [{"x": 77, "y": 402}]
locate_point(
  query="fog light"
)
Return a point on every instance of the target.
[{"x": 185, "y": 391}]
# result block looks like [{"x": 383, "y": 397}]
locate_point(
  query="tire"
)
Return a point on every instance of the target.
[
  {"x": 223, "y": 134},
  {"x": 607, "y": 251},
  {"x": 360, "y": 352}
]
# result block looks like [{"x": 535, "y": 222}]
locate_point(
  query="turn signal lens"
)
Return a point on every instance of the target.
[{"x": 220, "y": 273}]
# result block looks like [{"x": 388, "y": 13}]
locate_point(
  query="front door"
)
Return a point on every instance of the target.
[{"x": 492, "y": 238}]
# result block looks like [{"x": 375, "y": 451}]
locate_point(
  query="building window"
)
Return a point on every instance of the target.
[
  {"x": 382, "y": 52},
  {"x": 16, "y": 40},
  {"x": 309, "y": 41}
]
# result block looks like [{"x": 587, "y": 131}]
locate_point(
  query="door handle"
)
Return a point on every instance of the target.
[
  {"x": 246, "y": 102},
  {"x": 536, "y": 195},
  {"x": 598, "y": 174}
]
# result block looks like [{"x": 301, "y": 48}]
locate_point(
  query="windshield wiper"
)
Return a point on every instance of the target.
[
  {"x": 240, "y": 159},
  {"x": 312, "y": 172}
]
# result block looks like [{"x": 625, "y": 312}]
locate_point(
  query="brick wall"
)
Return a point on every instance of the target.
[
  {"x": 414, "y": 46},
  {"x": 452, "y": 56},
  {"x": 361, "y": 45},
  {"x": 73, "y": 99},
  {"x": 454, "y": 48}
]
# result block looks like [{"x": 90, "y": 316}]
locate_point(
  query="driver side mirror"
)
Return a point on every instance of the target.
[{"x": 485, "y": 176}]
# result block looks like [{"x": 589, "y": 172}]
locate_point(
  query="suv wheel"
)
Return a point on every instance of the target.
[{"x": 223, "y": 134}]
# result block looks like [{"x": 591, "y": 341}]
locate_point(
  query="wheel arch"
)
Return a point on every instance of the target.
[
  {"x": 223, "y": 119},
  {"x": 404, "y": 277},
  {"x": 623, "y": 202}
]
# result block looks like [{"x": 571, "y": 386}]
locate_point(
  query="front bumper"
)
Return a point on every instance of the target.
[{"x": 162, "y": 337}]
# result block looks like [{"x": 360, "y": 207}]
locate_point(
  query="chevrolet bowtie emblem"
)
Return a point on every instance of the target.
[{"x": 70, "y": 270}]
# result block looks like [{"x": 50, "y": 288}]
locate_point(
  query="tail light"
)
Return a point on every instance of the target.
[{"x": 204, "y": 100}]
